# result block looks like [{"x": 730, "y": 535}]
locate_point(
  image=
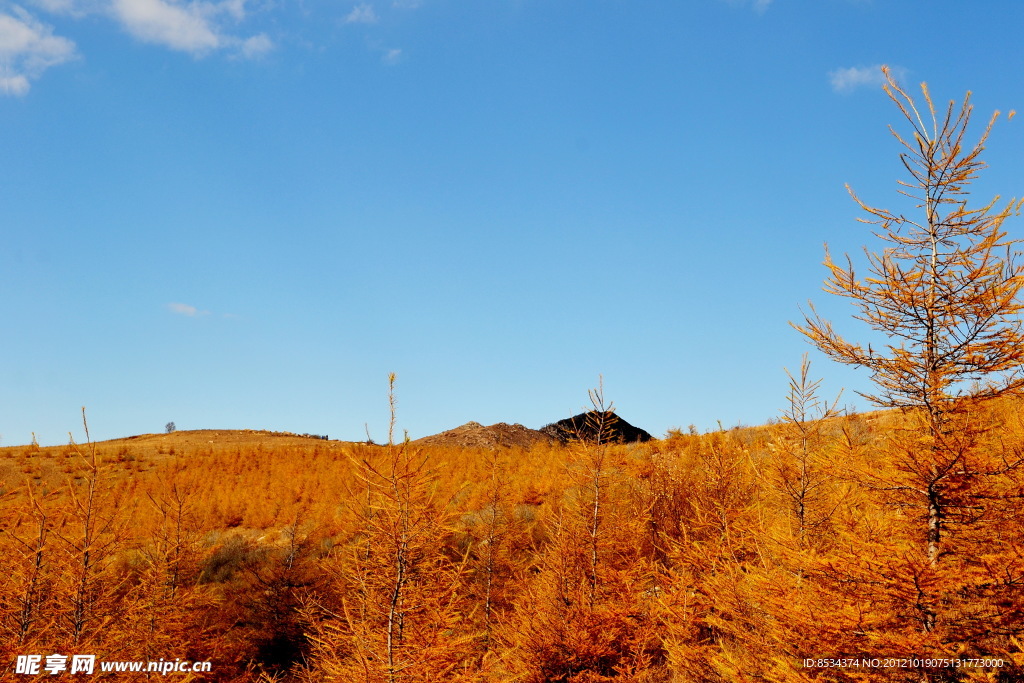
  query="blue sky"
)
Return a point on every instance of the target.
[{"x": 244, "y": 214}]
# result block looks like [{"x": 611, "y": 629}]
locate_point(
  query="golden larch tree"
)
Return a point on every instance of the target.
[{"x": 944, "y": 290}]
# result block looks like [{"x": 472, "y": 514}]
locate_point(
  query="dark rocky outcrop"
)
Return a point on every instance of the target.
[{"x": 585, "y": 426}]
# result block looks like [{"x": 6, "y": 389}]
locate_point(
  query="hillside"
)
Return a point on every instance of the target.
[
  {"x": 476, "y": 435},
  {"x": 523, "y": 559}
]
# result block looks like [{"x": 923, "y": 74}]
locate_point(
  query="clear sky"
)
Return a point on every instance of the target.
[{"x": 245, "y": 213}]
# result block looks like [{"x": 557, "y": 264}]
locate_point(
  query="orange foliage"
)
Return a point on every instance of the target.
[{"x": 700, "y": 571}]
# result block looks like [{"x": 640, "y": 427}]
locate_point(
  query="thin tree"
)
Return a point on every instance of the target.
[
  {"x": 797, "y": 469},
  {"x": 27, "y": 580},
  {"x": 600, "y": 421},
  {"x": 494, "y": 529},
  {"x": 91, "y": 535},
  {"x": 400, "y": 591},
  {"x": 944, "y": 290}
]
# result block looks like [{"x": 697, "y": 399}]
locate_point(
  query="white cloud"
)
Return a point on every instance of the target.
[
  {"x": 178, "y": 27},
  {"x": 392, "y": 56},
  {"x": 236, "y": 8},
  {"x": 13, "y": 85},
  {"x": 361, "y": 14},
  {"x": 189, "y": 28},
  {"x": 257, "y": 46},
  {"x": 27, "y": 49},
  {"x": 185, "y": 309},
  {"x": 74, "y": 8},
  {"x": 848, "y": 80}
]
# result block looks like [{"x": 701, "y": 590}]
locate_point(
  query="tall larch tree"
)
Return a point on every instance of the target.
[{"x": 944, "y": 290}]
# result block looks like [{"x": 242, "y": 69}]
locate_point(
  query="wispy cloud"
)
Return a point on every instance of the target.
[
  {"x": 196, "y": 27},
  {"x": 183, "y": 28},
  {"x": 235, "y": 8},
  {"x": 361, "y": 14},
  {"x": 759, "y": 6},
  {"x": 848, "y": 80},
  {"x": 27, "y": 49},
  {"x": 71, "y": 8},
  {"x": 185, "y": 309},
  {"x": 257, "y": 46},
  {"x": 392, "y": 56}
]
